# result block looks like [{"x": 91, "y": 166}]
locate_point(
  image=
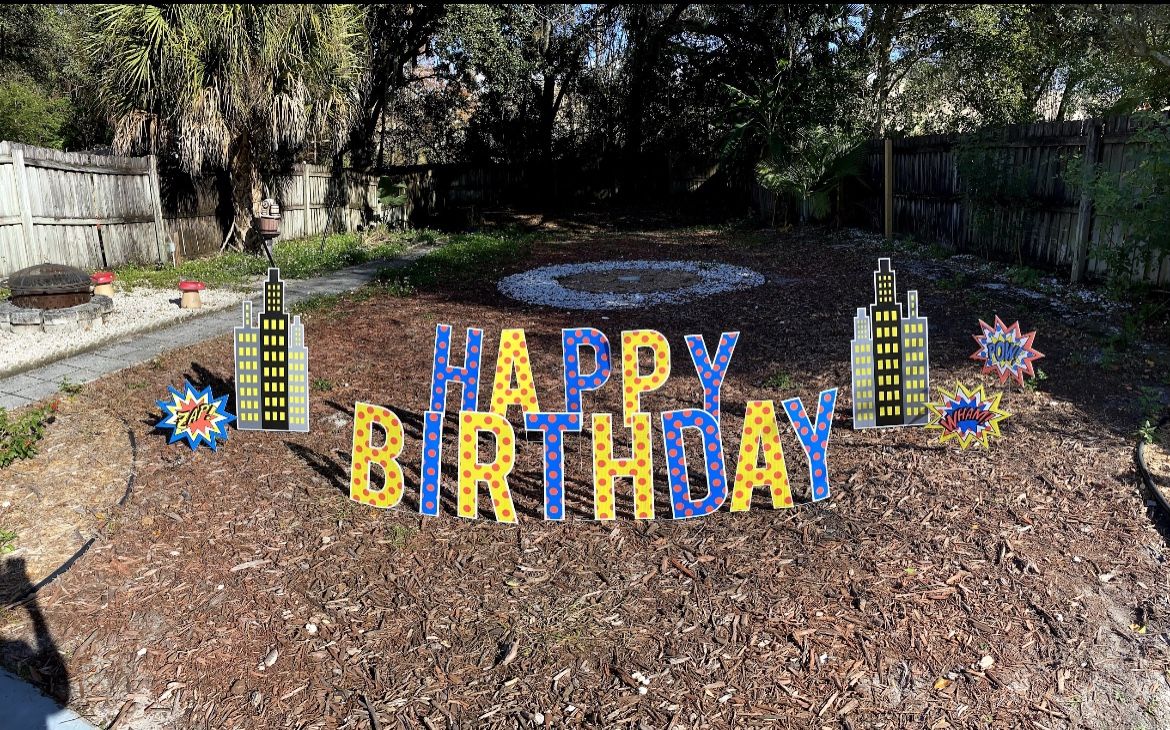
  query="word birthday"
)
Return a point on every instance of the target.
[{"x": 587, "y": 367}]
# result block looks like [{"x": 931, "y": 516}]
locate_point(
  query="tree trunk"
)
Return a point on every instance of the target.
[
  {"x": 245, "y": 181},
  {"x": 646, "y": 44},
  {"x": 548, "y": 115}
]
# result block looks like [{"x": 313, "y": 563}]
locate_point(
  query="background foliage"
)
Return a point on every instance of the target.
[{"x": 632, "y": 93}]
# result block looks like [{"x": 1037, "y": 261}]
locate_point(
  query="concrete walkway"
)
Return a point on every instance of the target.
[
  {"x": 43, "y": 382},
  {"x": 22, "y": 707}
]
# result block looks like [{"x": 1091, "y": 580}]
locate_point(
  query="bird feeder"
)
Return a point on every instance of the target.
[
  {"x": 191, "y": 298},
  {"x": 269, "y": 218}
]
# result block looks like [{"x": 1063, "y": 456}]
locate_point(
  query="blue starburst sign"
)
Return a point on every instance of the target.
[{"x": 195, "y": 416}]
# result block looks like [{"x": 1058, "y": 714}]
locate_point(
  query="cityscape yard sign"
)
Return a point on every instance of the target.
[{"x": 889, "y": 355}]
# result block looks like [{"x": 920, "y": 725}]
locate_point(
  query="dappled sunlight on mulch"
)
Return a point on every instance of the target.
[{"x": 937, "y": 588}]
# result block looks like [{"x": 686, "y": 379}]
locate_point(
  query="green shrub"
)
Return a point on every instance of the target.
[
  {"x": 466, "y": 257},
  {"x": 396, "y": 286},
  {"x": 1024, "y": 276},
  {"x": 298, "y": 259},
  {"x": 31, "y": 116},
  {"x": 19, "y": 436},
  {"x": 1135, "y": 204}
]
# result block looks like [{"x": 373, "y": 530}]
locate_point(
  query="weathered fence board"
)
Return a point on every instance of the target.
[{"x": 95, "y": 211}]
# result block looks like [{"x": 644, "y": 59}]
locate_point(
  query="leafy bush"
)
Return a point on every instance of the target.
[
  {"x": 1136, "y": 204},
  {"x": 812, "y": 169},
  {"x": 997, "y": 191},
  {"x": 29, "y": 115},
  {"x": 1024, "y": 276},
  {"x": 19, "y": 436}
]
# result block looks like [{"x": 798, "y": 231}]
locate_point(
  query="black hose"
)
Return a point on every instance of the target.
[
  {"x": 89, "y": 543},
  {"x": 1139, "y": 457}
]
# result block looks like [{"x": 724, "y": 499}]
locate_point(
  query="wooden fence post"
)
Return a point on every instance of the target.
[
  {"x": 888, "y": 192},
  {"x": 1084, "y": 229},
  {"x": 20, "y": 176},
  {"x": 156, "y": 202},
  {"x": 305, "y": 199}
]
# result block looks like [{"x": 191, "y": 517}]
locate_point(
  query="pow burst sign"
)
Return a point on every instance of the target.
[
  {"x": 967, "y": 416},
  {"x": 195, "y": 416},
  {"x": 1006, "y": 351}
]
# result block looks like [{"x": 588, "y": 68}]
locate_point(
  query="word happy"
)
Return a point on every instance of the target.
[{"x": 587, "y": 367}]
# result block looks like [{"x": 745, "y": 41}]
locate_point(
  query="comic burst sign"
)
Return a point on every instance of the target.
[
  {"x": 1006, "y": 351},
  {"x": 967, "y": 416},
  {"x": 195, "y": 416}
]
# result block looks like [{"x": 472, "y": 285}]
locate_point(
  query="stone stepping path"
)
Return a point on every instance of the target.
[{"x": 45, "y": 381}]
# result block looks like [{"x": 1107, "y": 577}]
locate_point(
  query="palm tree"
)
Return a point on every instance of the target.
[
  {"x": 813, "y": 168},
  {"x": 228, "y": 87}
]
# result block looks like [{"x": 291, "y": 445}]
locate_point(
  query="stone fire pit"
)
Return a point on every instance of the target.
[{"x": 52, "y": 296}]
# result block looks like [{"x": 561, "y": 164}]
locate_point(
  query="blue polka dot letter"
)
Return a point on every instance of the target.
[{"x": 489, "y": 436}]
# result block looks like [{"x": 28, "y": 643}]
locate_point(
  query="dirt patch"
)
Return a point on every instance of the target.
[
  {"x": 1021, "y": 586},
  {"x": 630, "y": 281},
  {"x": 63, "y": 497}
]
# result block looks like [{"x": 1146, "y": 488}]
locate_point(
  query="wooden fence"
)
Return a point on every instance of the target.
[
  {"x": 1033, "y": 207},
  {"x": 340, "y": 201},
  {"x": 96, "y": 211},
  {"x": 51, "y": 204}
]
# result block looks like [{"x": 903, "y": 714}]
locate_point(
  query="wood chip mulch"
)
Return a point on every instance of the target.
[{"x": 1024, "y": 586}]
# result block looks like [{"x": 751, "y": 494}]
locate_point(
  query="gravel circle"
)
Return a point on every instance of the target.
[
  {"x": 135, "y": 311},
  {"x": 543, "y": 286}
]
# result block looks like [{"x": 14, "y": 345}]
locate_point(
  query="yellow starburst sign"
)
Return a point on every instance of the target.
[{"x": 967, "y": 416}]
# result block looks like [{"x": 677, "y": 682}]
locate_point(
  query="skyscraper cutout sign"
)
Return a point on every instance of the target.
[
  {"x": 891, "y": 357},
  {"x": 272, "y": 365}
]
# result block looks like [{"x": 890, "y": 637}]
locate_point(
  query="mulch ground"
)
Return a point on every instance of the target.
[{"x": 1024, "y": 586}]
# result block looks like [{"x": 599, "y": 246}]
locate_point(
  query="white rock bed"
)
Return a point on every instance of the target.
[
  {"x": 542, "y": 286},
  {"x": 140, "y": 310}
]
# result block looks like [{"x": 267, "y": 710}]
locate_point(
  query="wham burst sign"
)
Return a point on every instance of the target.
[
  {"x": 967, "y": 416},
  {"x": 196, "y": 417},
  {"x": 587, "y": 367}
]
